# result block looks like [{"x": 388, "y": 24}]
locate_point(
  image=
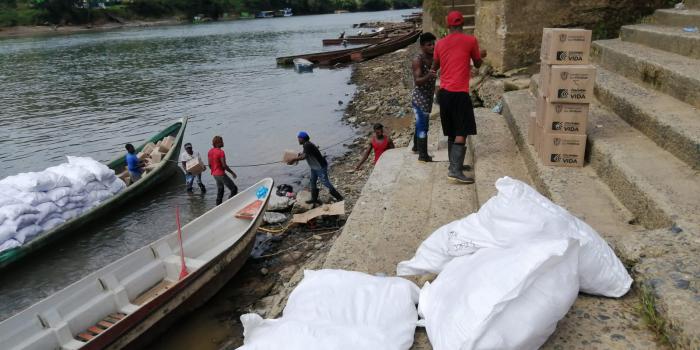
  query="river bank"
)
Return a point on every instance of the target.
[
  {"x": 30, "y": 31},
  {"x": 263, "y": 284}
]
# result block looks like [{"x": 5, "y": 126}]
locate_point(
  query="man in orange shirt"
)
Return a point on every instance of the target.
[{"x": 453, "y": 56}]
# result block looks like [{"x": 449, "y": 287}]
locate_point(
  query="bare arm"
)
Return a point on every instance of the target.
[
  {"x": 391, "y": 144},
  {"x": 225, "y": 166},
  {"x": 184, "y": 165},
  {"x": 418, "y": 78},
  {"x": 364, "y": 156}
]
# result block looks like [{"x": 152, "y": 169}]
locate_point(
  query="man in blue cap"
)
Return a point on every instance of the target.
[{"x": 319, "y": 168}]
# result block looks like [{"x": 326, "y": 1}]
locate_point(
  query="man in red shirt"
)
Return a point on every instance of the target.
[
  {"x": 453, "y": 56},
  {"x": 218, "y": 166},
  {"x": 379, "y": 143}
]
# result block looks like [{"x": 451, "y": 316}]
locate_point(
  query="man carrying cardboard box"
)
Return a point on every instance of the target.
[
  {"x": 133, "y": 163},
  {"x": 191, "y": 175},
  {"x": 453, "y": 56}
]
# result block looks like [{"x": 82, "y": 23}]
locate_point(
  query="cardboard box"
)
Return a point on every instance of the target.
[
  {"x": 148, "y": 148},
  {"x": 567, "y": 150},
  {"x": 195, "y": 166},
  {"x": 568, "y": 84},
  {"x": 564, "y": 118},
  {"x": 156, "y": 156},
  {"x": 565, "y": 46},
  {"x": 531, "y": 126},
  {"x": 166, "y": 144},
  {"x": 143, "y": 156},
  {"x": 289, "y": 155}
]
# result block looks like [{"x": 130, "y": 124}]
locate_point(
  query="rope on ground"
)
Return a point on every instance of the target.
[
  {"x": 298, "y": 244},
  {"x": 277, "y": 162},
  {"x": 275, "y": 230}
]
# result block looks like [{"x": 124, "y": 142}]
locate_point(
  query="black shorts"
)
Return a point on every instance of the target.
[{"x": 456, "y": 113}]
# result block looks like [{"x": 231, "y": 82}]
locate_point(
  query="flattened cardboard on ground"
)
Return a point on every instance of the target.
[
  {"x": 531, "y": 126},
  {"x": 195, "y": 166},
  {"x": 565, "y": 150},
  {"x": 563, "y": 118},
  {"x": 568, "y": 84},
  {"x": 337, "y": 208},
  {"x": 565, "y": 46}
]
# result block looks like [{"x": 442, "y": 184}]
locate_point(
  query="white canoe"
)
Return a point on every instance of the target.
[{"x": 130, "y": 301}]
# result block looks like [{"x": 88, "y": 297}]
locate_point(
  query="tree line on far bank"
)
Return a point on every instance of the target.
[{"x": 77, "y": 12}]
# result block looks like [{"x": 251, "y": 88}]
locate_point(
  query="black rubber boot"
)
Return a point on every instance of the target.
[
  {"x": 455, "y": 173},
  {"x": 450, "y": 142},
  {"x": 423, "y": 155},
  {"x": 336, "y": 195},
  {"x": 415, "y": 143},
  {"x": 314, "y": 197}
]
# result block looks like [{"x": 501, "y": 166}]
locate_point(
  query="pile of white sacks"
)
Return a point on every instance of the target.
[
  {"x": 36, "y": 202},
  {"x": 506, "y": 275}
]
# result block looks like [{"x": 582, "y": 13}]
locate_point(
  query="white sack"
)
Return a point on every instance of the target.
[
  {"x": 277, "y": 203},
  {"x": 13, "y": 211},
  {"x": 117, "y": 186},
  {"x": 71, "y": 213},
  {"x": 96, "y": 197},
  {"x": 5, "y": 198},
  {"x": 501, "y": 298},
  {"x": 101, "y": 172},
  {"x": 339, "y": 310},
  {"x": 50, "y": 223},
  {"x": 27, "y": 233},
  {"x": 9, "y": 244},
  {"x": 46, "y": 209},
  {"x": 271, "y": 218},
  {"x": 94, "y": 186},
  {"x": 78, "y": 176},
  {"x": 35, "y": 181},
  {"x": 519, "y": 214}
]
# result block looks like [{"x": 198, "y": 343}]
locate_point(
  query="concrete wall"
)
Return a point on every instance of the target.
[{"x": 511, "y": 30}]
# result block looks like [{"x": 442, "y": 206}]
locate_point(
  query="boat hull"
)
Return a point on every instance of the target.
[
  {"x": 157, "y": 176},
  {"x": 161, "y": 316}
]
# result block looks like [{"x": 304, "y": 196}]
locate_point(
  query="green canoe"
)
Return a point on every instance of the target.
[{"x": 162, "y": 171}]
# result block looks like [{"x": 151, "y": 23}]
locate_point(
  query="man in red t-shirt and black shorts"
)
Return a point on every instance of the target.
[{"x": 453, "y": 55}]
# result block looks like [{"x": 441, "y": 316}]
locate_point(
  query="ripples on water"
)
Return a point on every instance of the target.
[{"x": 89, "y": 94}]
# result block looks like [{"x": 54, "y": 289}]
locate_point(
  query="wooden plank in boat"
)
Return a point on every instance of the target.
[
  {"x": 155, "y": 291},
  {"x": 250, "y": 210}
]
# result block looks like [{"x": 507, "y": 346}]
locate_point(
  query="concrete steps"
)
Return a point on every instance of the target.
[
  {"x": 465, "y": 9},
  {"x": 669, "y": 73},
  {"x": 671, "y": 39},
  {"x": 455, "y": 3},
  {"x": 672, "y": 124},
  {"x": 628, "y": 168},
  {"x": 676, "y": 18}
]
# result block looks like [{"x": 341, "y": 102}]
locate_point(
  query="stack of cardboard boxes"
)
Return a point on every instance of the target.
[{"x": 558, "y": 128}]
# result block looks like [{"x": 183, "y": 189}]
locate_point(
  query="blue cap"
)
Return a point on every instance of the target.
[{"x": 303, "y": 135}]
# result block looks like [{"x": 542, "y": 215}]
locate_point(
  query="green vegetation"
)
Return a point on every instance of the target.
[
  {"x": 36, "y": 12},
  {"x": 648, "y": 309}
]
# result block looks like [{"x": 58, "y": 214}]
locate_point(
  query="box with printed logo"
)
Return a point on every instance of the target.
[
  {"x": 568, "y": 84},
  {"x": 566, "y": 150},
  {"x": 565, "y": 46},
  {"x": 563, "y": 118}
]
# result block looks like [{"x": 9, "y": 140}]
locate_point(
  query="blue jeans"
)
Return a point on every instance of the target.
[
  {"x": 320, "y": 174},
  {"x": 422, "y": 122},
  {"x": 189, "y": 179},
  {"x": 135, "y": 176}
]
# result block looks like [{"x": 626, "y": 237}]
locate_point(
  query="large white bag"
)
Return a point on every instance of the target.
[
  {"x": 339, "y": 310},
  {"x": 101, "y": 172},
  {"x": 519, "y": 214},
  {"x": 78, "y": 176},
  {"x": 35, "y": 181},
  {"x": 501, "y": 298}
]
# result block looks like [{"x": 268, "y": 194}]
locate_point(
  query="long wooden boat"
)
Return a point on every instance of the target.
[
  {"x": 162, "y": 171},
  {"x": 132, "y": 300},
  {"x": 320, "y": 58},
  {"x": 360, "y": 40},
  {"x": 391, "y": 45}
]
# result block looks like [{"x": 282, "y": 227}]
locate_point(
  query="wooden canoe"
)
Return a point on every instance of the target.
[
  {"x": 391, "y": 45},
  {"x": 370, "y": 40},
  {"x": 132, "y": 300},
  {"x": 162, "y": 171},
  {"x": 320, "y": 58}
]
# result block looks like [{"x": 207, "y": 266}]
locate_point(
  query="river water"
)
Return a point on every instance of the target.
[{"x": 89, "y": 94}]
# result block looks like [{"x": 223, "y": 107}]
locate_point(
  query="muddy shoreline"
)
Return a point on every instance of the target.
[
  {"x": 262, "y": 285},
  {"x": 30, "y": 31}
]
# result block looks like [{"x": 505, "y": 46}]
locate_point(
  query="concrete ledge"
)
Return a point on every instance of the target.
[
  {"x": 676, "y": 18},
  {"x": 671, "y": 39},
  {"x": 672, "y": 124},
  {"x": 669, "y": 73}
]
